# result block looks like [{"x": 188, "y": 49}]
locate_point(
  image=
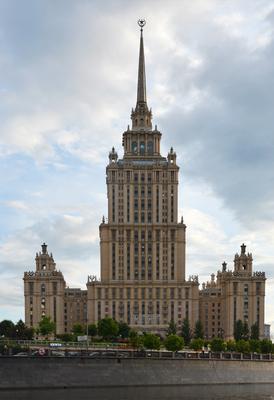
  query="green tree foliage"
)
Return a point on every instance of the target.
[
  {"x": 238, "y": 330},
  {"x": 78, "y": 329},
  {"x": 197, "y": 344},
  {"x": 245, "y": 334},
  {"x": 254, "y": 346},
  {"x": 231, "y": 345},
  {"x": 218, "y": 344},
  {"x": 254, "y": 334},
  {"x": 21, "y": 331},
  {"x": 174, "y": 342},
  {"x": 46, "y": 326},
  {"x": 6, "y": 328},
  {"x": 172, "y": 328},
  {"x": 266, "y": 346},
  {"x": 242, "y": 346},
  {"x": 151, "y": 341},
  {"x": 186, "y": 332},
  {"x": 92, "y": 330},
  {"x": 198, "y": 331},
  {"x": 124, "y": 330},
  {"x": 134, "y": 339},
  {"x": 108, "y": 328},
  {"x": 66, "y": 337}
]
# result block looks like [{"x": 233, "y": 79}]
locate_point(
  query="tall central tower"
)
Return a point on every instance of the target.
[{"x": 142, "y": 243}]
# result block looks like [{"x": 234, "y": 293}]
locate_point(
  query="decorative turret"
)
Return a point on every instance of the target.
[
  {"x": 113, "y": 156},
  {"x": 171, "y": 156},
  {"x": 44, "y": 261},
  {"x": 243, "y": 262}
]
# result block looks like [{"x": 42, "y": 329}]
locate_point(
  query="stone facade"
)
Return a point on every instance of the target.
[
  {"x": 142, "y": 250},
  {"x": 234, "y": 295}
]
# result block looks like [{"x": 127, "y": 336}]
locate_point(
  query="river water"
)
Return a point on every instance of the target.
[{"x": 198, "y": 392}]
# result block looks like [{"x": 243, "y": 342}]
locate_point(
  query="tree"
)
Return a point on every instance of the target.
[
  {"x": 21, "y": 331},
  {"x": 78, "y": 329},
  {"x": 6, "y": 328},
  {"x": 172, "y": 328},
  {"x": 243, "y": 346},
  {"x": 238, "y": 330},
  {"x": 266, "y": 346},
  {"x": 124, "y": 330},
  {"x": 254, "y": 346},
  {"x": 92, "y": 330},
  {"x": 108, "y": 328},
  {"x": 231, "y": 345},
  {"x": 186, "y": 332},
  {"x": 46, "y": 326},
  {"x": 197, "y": 344},
  {"x": 217, "y": 344},
  {"x": 174, "y": 342},
  {"x": 134, "y": 339},
  {"x": 151, "y": 341},
  {"x": 254, "y": 331},
  {"x": 245, "y": 334},
  {"x": 198, "y": 331}
]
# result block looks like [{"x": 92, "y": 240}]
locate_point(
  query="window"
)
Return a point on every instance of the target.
[
  {"x": 31, "y": 288},
  {"x": 150, "y": 147},
  {"x": 54, "y": 287},
  {"x": 134, "y": 147},
  {"x": 142, "y": 148},
  {"x": 43, "y": 289}
]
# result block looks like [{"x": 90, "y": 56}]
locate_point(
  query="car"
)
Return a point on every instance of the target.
[
  {"x": 74, "y": 354},
  {"x": 56, "y": 353},
  {"x": 94, "y": 354},
  {"x": 21, "y": 354}
]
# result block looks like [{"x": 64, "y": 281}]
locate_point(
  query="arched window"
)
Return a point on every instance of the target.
[{"x": 150, "y": 147}]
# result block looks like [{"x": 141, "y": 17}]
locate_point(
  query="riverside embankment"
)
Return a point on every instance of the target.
[{"x": 49, "y": 373}]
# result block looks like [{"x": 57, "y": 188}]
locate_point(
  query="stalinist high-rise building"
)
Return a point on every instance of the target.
[
  {"x": 142, "y": 243},
  {"x": 142, "y": 249}
]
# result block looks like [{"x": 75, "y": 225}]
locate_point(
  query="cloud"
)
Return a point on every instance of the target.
[{"x": 68, "y": 83}]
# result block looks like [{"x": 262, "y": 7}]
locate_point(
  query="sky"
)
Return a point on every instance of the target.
[{"x": 68, "y": 75}]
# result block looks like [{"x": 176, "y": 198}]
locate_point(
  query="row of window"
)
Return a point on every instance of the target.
[
  {"x": 142, "y": 293},
  {"x": 142, "y": 177}
]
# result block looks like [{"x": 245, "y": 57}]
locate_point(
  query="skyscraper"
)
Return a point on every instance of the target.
[{"x": 142, "y": 243}]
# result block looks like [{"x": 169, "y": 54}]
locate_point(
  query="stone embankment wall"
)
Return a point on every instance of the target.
[{"x": 34, "y": 373}]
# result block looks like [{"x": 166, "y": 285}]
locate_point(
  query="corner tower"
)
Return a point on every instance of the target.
[
  {"x": 44, "y": 291},
  {"x": 142, "y": 244}
]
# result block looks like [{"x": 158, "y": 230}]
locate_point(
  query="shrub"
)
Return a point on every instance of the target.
[
  {"x": 196, "y": 344},
  {"x": 254, "y": 346},
  {"x": 243, "y": 346},
  {"x": 231, "y": 345},
  {"x": 151, "y": 341},
  {"x": 266, "y": 346},
  {"x": 217, "y": 344},
  {"x": 66, "y": 337},
  {"x": 174, "y": 343},
  {"x": 135, "y": 340}
]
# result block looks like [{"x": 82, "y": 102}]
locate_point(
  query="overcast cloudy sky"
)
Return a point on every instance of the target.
[{"x": 68, "y": 71}]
